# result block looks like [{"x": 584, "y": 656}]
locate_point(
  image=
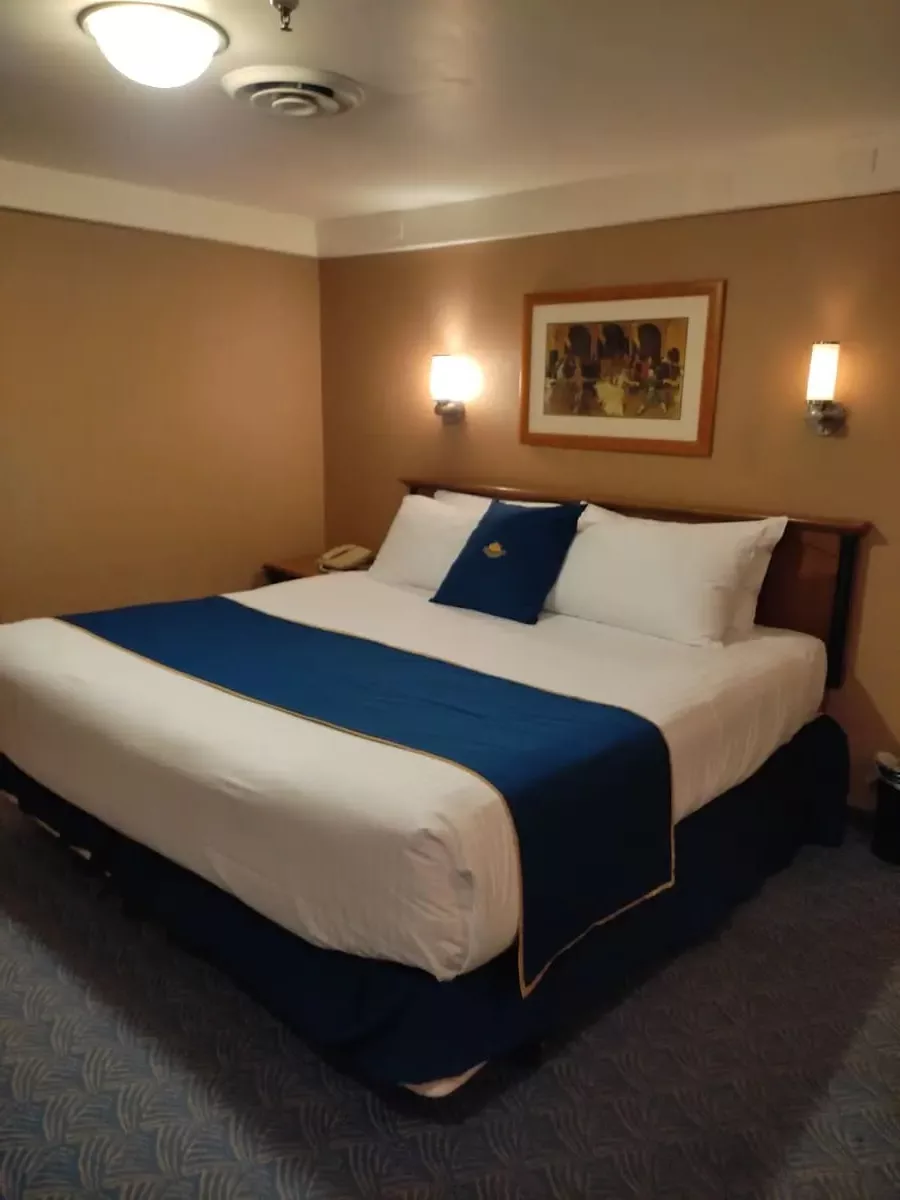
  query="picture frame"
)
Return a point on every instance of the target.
[{"x": 632, "y": 368}]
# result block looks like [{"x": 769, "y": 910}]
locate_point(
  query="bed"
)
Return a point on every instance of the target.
[{"x": 372, "y": 896}]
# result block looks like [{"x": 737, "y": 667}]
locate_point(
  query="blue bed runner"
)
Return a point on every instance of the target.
[{"x": 587, "y": 785}]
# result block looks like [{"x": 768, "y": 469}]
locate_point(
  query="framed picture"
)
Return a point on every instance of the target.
[{"x": 623, "y": 368}]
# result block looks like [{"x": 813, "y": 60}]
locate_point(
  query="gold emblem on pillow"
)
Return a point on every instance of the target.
[{"x": 494, "y": 550}]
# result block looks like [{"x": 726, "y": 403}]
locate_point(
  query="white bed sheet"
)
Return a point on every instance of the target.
[{"x": 352, "y": 844}]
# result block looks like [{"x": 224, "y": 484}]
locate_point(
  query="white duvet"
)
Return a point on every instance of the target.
[{"x": 353, "y": 844}]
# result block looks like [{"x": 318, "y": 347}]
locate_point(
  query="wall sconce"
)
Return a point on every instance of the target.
[
  {"x": 823, "y": 414},
  {"x": 455, "y": 380}
]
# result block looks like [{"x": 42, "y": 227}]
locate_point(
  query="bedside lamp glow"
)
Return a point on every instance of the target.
[
  {"x": 823, "y": 414},
  {"x": 455, "y": 380}
]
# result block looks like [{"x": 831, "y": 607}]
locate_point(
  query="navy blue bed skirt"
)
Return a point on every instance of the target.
[{"x": 395, "y": 1024}]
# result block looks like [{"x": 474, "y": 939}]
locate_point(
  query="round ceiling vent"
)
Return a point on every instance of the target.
[{"x": 294, "y": 91}]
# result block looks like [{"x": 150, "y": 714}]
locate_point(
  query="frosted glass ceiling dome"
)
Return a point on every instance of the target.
[{"x": 154, "y": 44}]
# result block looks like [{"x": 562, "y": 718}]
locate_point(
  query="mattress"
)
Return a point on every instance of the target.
[{"x": 352, "y": 844}]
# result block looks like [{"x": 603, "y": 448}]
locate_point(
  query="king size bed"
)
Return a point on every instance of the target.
[{"x": 329, "y": 787}]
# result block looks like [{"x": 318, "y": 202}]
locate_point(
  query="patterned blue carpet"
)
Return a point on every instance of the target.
[{"x": 765, "y": 1065}]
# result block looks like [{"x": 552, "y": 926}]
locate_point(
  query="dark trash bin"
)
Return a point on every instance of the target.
[{"x": 886, "y": 835}]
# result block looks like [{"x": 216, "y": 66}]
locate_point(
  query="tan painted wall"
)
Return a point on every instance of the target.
[
  {"x": 160, "y": 414},
  {"x": 794, "y": 275}
]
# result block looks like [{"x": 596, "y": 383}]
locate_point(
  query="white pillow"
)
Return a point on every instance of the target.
[
  {"x": 754, "y": 577},
  {"x": 423, "y": 543},
  {"x": 466, "y": 502},
  {"x": 770, "y": 531},
  {"x": 677, "y": 581}
]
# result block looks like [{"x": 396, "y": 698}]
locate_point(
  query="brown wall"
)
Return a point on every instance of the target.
[
  {"x": 160, "y": 414},
  {"x": 794, "y": 275}
]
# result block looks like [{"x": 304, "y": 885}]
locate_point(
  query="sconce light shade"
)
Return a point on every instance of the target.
[
  {"x": 154, "y": 44},
  {"x": 823, "y": 414},
  {"x": 823, "y": 368},
  {"x": 455, "y": 380}
]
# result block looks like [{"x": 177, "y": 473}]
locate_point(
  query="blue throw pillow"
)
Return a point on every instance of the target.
[{"x": 511, "y": 561}]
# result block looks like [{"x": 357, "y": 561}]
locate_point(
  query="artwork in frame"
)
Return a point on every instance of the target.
[{"x": 623, "y": 368}]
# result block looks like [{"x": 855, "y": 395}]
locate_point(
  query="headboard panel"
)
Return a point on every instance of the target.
[{"x": 809, "y": 584}]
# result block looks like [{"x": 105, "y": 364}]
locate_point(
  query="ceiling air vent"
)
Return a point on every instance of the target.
[{"x": 294, "y": 91}]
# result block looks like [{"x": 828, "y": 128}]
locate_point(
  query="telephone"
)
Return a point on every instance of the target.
[{"x": 345, "y": 558}]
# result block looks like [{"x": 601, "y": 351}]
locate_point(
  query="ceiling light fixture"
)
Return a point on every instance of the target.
[{"x": 154, "y": 44}]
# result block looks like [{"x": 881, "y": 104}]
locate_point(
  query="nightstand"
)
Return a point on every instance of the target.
[{"x": 282, "y": 569}]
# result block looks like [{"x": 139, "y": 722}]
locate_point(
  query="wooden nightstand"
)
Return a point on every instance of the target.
[{"x": 282, "y": 569}]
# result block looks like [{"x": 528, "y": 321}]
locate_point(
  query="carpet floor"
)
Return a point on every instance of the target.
[{"x": 763, "y": 1065}]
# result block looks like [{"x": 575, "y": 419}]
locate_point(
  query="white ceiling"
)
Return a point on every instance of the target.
[{"x": 466, "y": 98}]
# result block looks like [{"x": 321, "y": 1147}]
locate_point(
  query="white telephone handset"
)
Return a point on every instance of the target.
[{"x": 345, "y": 558}]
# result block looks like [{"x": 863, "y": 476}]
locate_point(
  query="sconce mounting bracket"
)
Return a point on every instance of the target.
[
  {"x": 450, "y": 411},
  {"x": 826, "y": 417}
]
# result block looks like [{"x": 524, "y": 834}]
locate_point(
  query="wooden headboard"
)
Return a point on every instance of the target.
[{"x": 809, "y": 584}]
